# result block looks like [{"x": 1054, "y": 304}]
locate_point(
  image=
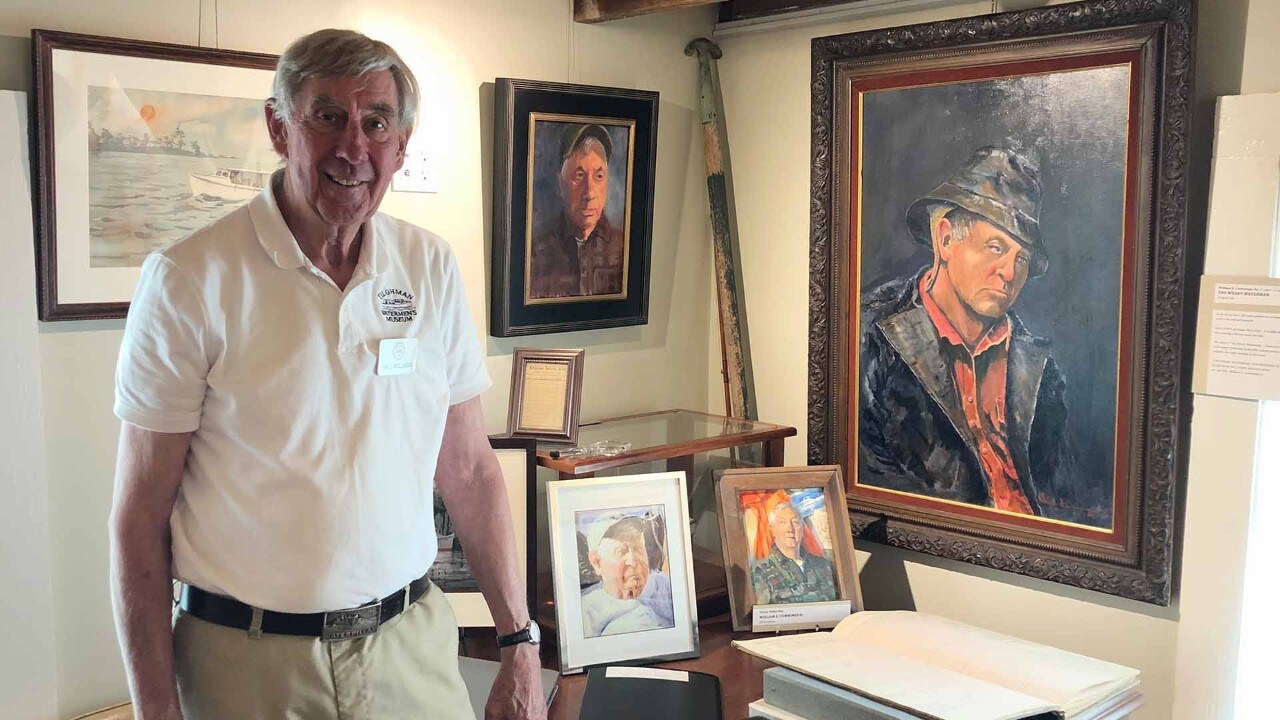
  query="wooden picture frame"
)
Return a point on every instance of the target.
[
  {"x": 596, "y": 523},
  {"x": 517, "y": 457},
  {"x": 103, "y": 205},
  {"x": 546, "y": 394},
  {"x": 744, "y": 499},
  {"x": 545, "y": 277},
  {"x": 732, "y": 10},
  {"x": 123, "y": 711},
  {"x": 1110, "y": 375}
]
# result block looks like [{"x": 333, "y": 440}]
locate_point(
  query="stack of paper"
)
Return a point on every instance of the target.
[{"x": 930, "y": 667}]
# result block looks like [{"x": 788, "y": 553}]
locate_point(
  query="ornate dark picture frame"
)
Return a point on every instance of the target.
[
  {"x": 1120, "y": 540},
  {"x": 544, "y": 278},
  {"x": 104, "y": 199}
]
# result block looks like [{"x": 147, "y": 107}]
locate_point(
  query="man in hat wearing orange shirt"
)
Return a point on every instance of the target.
[
  {"x": 581, "y": 253},
  {"x": 958, "y": 401}
]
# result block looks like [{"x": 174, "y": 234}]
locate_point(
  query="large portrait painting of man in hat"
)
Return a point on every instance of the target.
[
  {"x": 997, "y": 279},
  {"x": 990, "y": 291}
]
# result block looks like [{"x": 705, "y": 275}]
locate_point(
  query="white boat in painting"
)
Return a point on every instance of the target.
[{"x": 230, "y": 183}]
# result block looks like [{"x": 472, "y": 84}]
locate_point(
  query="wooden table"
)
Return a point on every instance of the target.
[{"x": 741, "y": 675}]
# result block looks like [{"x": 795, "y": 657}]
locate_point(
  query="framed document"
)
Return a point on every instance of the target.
[{"x": 546, "y": 387}]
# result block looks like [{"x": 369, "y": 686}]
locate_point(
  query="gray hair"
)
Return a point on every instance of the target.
[
  {"x": 962, "y": 221},
  {"x": 340, "y": 53},
  {"x": 773, "y": 514}
]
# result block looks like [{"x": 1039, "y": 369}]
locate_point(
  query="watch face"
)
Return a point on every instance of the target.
[{"x": 535, "y": 634}]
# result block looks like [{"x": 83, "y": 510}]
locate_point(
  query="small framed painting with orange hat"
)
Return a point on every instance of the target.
[{"x": 786, "y": 538}]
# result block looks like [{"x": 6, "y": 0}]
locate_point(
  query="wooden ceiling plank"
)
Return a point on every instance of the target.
[{"x": 595, "y": 11}]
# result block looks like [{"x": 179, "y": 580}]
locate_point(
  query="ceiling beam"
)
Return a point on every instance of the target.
[{"x": 594, "y": 11}]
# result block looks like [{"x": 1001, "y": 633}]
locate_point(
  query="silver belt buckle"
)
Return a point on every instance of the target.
[{"x": 350, "y": 624}]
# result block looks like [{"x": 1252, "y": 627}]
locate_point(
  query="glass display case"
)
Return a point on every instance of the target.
[{"x": 696, "y": 443}]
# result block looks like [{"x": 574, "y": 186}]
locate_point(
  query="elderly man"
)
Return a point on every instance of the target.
[
  {"x": 581, "y": 253},
  {"x": 958, "y": 400},
  {"x": 630, "y": 596},
  {"x": 790, "y": 573},
  {"x": 293, "y": 380}
]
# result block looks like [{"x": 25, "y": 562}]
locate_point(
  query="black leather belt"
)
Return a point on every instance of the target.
[{"x": 334, "y": 625}]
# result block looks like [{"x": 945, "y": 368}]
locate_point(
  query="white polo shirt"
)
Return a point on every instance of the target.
[{"x": 308, "y": 486}]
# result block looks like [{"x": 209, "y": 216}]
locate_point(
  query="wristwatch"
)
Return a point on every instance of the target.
[{"x": 529, "y": 634}]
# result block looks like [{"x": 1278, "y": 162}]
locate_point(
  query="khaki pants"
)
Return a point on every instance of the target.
[{"x": 408, "y": 669}]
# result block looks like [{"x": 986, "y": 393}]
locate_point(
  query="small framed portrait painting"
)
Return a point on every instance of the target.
[
  {"x": 573, "y": 206},
  {"x": 786, "y": 538},
  {"x": 622, "y": 568},
  {"x": 451, "y": 571}
]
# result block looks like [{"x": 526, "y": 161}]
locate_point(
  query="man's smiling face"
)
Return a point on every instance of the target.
[{"x": 343, "y": 145}]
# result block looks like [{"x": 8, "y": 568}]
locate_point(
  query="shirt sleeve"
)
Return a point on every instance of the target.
[
  {"x": 464, "y": 357},
  {"x": 162, "y": 369}
]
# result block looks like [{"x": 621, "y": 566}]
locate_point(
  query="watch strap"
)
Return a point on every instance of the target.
[{"x": 523, "y": 635}]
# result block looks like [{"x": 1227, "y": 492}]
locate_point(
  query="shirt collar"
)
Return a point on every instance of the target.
[
  {"x": 997, "y": 334},
  {"x": 597, "y": 232},
  {"x": 281, "y": 246}
]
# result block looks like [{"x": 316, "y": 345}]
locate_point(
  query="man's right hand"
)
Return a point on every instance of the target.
[{"x": 148, "y": 470}]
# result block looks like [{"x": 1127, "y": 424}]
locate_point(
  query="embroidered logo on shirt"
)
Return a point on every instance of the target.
[{"x": 397, "y": 305}]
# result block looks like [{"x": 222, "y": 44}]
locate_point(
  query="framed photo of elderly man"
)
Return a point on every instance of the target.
[
  {"x": 573, "y": 206},
  {"x": 998, "y": 346},
  {"x": 622, "y": 570},
  {"x": 786, "y": 538}
]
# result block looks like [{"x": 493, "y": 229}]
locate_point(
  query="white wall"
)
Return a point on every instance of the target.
[
  {"x": 456, "y": 50},
  {"x": 765, "y": 76},
  {"x": 1242, "y": 214},
  {"x": 1220, "y": 496},
  {"x": 27, "y": 684}
]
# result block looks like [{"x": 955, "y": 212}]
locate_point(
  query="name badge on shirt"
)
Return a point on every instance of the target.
[{"x": 397, "y": 356}]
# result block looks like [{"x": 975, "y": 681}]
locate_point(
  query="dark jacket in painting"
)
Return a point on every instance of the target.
[
  {"x": 912, "y": 432},
  {"x": 559, "y": 268},
  {"x": 777, "y": 579}
]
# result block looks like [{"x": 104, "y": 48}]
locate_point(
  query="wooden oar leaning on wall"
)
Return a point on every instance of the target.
[{"x": 735, "y": 344}]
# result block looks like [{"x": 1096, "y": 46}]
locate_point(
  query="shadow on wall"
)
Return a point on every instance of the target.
[
  {"x": 15, "y": 63},
  {"x": 883, "y": 578},
  {"x": 886, "y": 584}
]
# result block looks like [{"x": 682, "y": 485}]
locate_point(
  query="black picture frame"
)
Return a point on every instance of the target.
[
  {"x": 528, "y": 115},
  {"x": 468, "y": 605},
  {"x": 1134, "y": 558}
]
